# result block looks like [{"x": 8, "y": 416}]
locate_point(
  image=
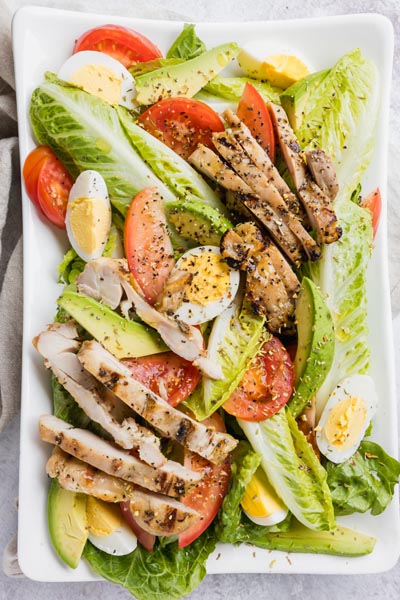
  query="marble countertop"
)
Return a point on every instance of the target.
[{"x": 234, "y": 587}]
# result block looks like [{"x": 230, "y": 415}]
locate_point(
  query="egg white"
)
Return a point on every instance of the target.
[
  {"x": 195, "y": 314},
  {"x": 272, "y": 519},
  {"x": 359, "y": 386},
  {"x": 262, "y": 49},
  {"x": 118, "y": 543},
  {"x": 90, "y": 57},
  {"x": 89, "y": 184}
]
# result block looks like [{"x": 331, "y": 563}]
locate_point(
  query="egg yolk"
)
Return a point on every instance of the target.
[
  {"x": 100, "y": 81},
  {"x": 103, "y": 517},
  {"x": 210, "y": 280},
  {"x": 259, "y": 499},
  {"x": 345, "y": 421},
  {"x": 90, "y": 222}
]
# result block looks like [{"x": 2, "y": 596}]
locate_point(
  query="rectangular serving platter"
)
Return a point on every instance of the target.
[{"x": 43, "y": 38}]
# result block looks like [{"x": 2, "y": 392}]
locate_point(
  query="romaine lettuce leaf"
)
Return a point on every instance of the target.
[
  {"x": 236, "y": 337},
  {"x": 231, "y": 88},
  {"x": 340, "y": 117},
  {"x": 167, "y": 573},
  {"x": 187, "y": 45},
  {"x": 85, "y": 133},
  {"x": 363, "y": 482},
  {"x": 292, "y": 469},
  {"x": 289, "y": 536},
  {"x": 171, "y": 168}
]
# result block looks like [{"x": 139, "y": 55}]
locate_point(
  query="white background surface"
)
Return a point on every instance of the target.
[{"x": 236, "y": 586}]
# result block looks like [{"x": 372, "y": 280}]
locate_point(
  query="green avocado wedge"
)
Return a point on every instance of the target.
[
  {"x": 184, "y": 79},
  {"x": 66, "y": 514},
  {"x": 197, "y": 221},
  {"x": 316, "y": 345},
  {"x": 123, "y": 338}
]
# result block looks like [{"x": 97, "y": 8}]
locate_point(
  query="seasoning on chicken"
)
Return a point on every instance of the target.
[
  {"x": 171, "y": 478},
  {"x": 323, "y": 171},
  {"x": 157, "y": 514},
  {"x": 271, "y": 285},
  {"x": 85, "y": 389},
  {"x": 172, "y": 423},
  {"x": 317, "y": 204},
  {"x": 105, "y": 274}
]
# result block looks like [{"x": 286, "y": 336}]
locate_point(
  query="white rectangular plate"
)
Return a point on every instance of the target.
[{"x": 43, "y": 39}]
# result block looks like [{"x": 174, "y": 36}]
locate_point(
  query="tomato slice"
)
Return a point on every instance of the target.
[
  {"x": 182, "y": 124},
  {"x": 373, "y": 202},
  {"x": 208, "y": 495},
  {"x": 253, "y": 111},
  {"x": 146, "y": 539},
  {"x": 166, "y": 374},
  {"x": 47, "y": 183},
  {"x": 266, "y": 385},
  {"x": 148, "y": 247},
  {"x": 123, "y": 44}
]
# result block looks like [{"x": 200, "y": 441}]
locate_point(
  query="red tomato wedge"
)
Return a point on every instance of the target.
[
  {"x": 207, "y": 497},
  {"x": 266, "y": 385},
  {"x": 47, "y": 183},
  {"x": 182, "y": 123},
  {"x": 253, "y": 111},
  {"x": 147, "y": 245},
  {"x": 147, "y": 540},
  {"x": 165, "y": 374},
  {"x": 373, "y": 202},
  {"x": 123, "y": 44}
]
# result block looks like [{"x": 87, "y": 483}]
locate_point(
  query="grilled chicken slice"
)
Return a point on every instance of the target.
[
  {"x": 271, "y": 285},
  {"x": 102, "y": 276},
  {"x": 97, "y": 404},
  {"x": 265, "y": 189},
  {"x": 172, "y": 423},
  {"x": 323, "y": 171},
  {"x": 156, "y": 514},
  {"x": 173, "y": 292},
  {"x": 210, "y": 164},
  {"x": 317, "y": 204},
  {"x": 171, "y": 478}
]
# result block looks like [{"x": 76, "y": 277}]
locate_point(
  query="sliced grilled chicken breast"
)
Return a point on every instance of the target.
[
  {"x": 95, "y": 402},
  {"x": 171, "y": 422},
  {"x": 317, "y": 204},
  {"x": 171, "y": 478},
  {"x": 211, "y": 165},
  {"x": 101, "y": 275},
  {"x": 156, "y": 514},
  {"x": 323, "y": 171}
]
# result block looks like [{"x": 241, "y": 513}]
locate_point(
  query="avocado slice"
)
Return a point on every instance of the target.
[
  {"x": 123, "y": 338},
  {"x": 184, "y": 79},
  {"x": 66, "y": 514},
  {"x": 197, "y": 221},
  {"x": 295, "y": 97},
  {"x": 316, "y": 345}
]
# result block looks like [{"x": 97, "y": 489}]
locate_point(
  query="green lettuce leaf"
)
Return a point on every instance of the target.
[
  {"x": 231, "y": 88},
  {"x": 236, "y": 337},
  {"x": 70, "y": 267},
  {"x": 363, "y": 482},
  {"x": 171, "y": 168},
  {"x": 85, "y": 133},
  {"x": 233, "y": 526},
  {"x": 292, "y": 469},
  {"x": 340, "y": 117},
  {"x": 167, "y": 573},
  {"x": 187, "y": 45}
]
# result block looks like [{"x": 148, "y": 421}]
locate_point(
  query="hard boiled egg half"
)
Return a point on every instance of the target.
[
  {"x": 107, "y": 528},
  {"x": 88, "y": 218},
  {"x": 201, "y": 286},
  {"x": 346, "y": 417},
  {"x": 260, "y": 502},
  {"x": 101, "y": 75}
]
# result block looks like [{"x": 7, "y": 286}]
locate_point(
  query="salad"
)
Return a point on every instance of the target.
[{"x": 209, "y": 355}]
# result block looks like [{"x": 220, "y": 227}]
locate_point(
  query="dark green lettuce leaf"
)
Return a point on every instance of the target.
[
  {"x": 167, "y": 573},
  {"x": 363, "y": 482},
  {"x": 187, "y": 45}
]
